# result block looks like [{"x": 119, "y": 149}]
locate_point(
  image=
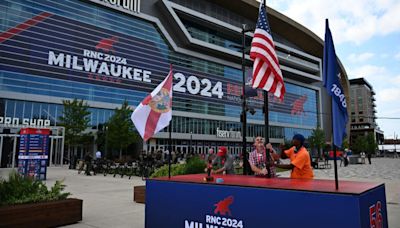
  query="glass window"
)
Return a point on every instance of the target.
[
  {"x": 28, "y": 110},
  {"x": 60, "y": 112},
  {"x": 19, "y": 110},
  {"x": 52, "y": 113},
  {"x": 36, "y": 111},
  {"x": 93, "y": 117},
  {"x": 10, "y": 107},
  {"x": 102, "y": 116},
  {"x": 45, "y": 111}
]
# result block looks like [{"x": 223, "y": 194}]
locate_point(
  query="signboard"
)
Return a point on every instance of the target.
[
  {"x": 202, "y": 205},
  {"x": 55, "y": 46},
  {"x": 15, "y": 121},
  {"x": 33, "y": 153}
]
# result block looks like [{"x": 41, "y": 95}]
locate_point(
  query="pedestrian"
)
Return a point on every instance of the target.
[
  {"x": 362, "y": 154},
  {"x": 88, "y": 161},
  {"x": 98, "y": 155},
  {"x": 345, "y": 159},
  {"x": 369, "y": 155}
]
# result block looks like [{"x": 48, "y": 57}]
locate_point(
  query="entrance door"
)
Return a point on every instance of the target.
[{"x": 8, "y": 150}]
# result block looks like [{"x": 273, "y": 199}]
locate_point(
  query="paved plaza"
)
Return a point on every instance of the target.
[{"x": 108, "y": 201}]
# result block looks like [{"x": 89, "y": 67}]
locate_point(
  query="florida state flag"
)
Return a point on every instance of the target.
[{"x": 155, "y": 112}]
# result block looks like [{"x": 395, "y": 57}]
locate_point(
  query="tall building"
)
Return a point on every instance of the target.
[
  {"x": 363, "y": 110},
  {"x": 105, "y": 52}
]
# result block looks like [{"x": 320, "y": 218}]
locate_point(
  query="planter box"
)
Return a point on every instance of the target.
[
  {"x": 46, "y": 214},
  {"x": 139, "y": 194}
]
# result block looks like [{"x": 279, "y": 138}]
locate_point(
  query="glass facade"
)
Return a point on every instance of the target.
[
  {"x": 62, "y": 54},
  {"x": 53, "y": 112}
]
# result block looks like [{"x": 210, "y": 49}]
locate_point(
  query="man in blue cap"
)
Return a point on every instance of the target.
[{"x": 300, "y": 162}]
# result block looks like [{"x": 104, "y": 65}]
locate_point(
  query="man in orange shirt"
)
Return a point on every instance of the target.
[{"x": 300, "y": 162}]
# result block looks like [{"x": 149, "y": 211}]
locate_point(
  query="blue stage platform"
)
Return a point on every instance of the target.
[{"x": 246, "y": 201}]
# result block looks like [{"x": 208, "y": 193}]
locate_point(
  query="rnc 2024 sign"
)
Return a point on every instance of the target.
[{"x": 58, "y": 47}]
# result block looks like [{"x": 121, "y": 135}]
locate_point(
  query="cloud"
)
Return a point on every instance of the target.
[
  {"x": 388, "y": 95},
  {"x": 384, "y": 55},
  {"x": 353, "y": 21},
  {"x": 360, "y": 57},
  {"x": 397, "y": 56},
  {"x": 371, "y": 72}
]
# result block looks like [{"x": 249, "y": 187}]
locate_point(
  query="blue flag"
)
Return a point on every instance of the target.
[{"x": 332, "y": 84}]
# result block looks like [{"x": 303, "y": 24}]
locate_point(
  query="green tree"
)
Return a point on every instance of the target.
[
  {"x": 121, "y": 133},
  {"x": 370, "y": 143},
  {"x": 75, "y": 119},
  {"x": 345, "y": 143},
  {"x": 317, "y": 140},
  {"x": 101, "y": 138},
  {"x": 360, "y": 144}
]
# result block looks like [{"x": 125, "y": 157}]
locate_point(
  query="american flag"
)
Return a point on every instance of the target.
[{"x": 266, "y": 72}]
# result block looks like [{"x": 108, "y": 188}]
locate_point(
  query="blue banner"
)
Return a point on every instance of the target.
[
  {"x": 332, "y": 84},
  {"x": 223, "y": 206}
]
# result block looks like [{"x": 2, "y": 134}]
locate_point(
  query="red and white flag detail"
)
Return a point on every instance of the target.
[
  {"x": 155, "y": 112},
  {"x": 266, "y": 72}
]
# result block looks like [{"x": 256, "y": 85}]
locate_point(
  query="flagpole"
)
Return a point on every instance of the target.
[
  {"x": 266, "y": 123},
  {"x": 170, "y": 136},
  {"x": 335, "y": 167},
  {"x": 243, "y": 116},
  {"x": 169, "y": 148},
  {"x": 266, "y": 132}
]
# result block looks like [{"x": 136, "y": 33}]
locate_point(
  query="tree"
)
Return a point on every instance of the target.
[
  {"x": 121, "y": 133},
  {"x": 359, "y": 144},
  {"x": 317, "y": 140},
  {"x": 345, "y": 144},
  {"x": 75, "y": 119},
  {"x": 370, "y": 143},
  {"x": 101, "y": 138}
]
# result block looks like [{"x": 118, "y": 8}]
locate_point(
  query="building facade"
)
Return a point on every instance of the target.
[
  {"x": 363, "y": 110},
  {"x": 108, "y": 51}
]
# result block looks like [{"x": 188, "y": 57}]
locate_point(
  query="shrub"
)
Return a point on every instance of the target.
[
  {"x": 20, "y": 190},
  {"x": 176, "y": 169},
  {"x": 193, "y": 166}
]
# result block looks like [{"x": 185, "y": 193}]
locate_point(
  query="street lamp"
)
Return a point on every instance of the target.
[
  {"x": 190, "y": 143},
  {"x": 105, "y": 149},
  {"x": 246, "y": 165}
]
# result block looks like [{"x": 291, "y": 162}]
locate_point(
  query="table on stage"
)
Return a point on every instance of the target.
[{"x": 251, "y": 202}]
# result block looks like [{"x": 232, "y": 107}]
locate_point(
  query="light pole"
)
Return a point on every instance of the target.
[
  {"x": 394, "y": 142},
  {"x": 190, "y": 143},
  {"x": 105, "y": 149}
]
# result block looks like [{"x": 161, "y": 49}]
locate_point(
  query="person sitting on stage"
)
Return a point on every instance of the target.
[
  {"x": 300, "y": 162},
  {"x": 223, "y": 162},
  {"x": 257, "y": 159}
]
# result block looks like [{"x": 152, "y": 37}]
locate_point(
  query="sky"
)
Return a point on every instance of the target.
[{"x": 366, "y": 34}]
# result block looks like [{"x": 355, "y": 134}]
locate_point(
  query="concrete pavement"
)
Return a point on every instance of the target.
[{"x": 108, "y": 201}]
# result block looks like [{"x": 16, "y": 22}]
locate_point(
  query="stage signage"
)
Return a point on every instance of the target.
[
  {"x": 201, "y": 205},
  {"x": 33, "y": 153}
]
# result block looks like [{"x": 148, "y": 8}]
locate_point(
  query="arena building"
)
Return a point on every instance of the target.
[{"x": 108, "y": 51}]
